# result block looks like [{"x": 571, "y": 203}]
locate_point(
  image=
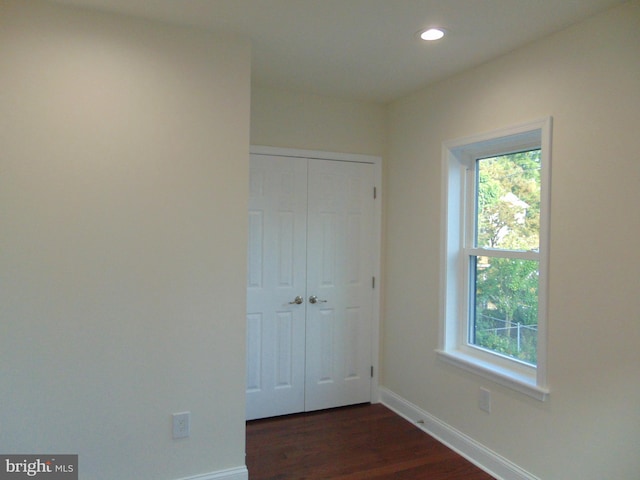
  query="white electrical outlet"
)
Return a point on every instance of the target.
[
  {"x": 484, "y": 401},
  {"x": 181, "y": 424}
]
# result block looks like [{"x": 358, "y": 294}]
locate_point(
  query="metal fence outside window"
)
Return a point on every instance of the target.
[{"x": 514, "y": 331}]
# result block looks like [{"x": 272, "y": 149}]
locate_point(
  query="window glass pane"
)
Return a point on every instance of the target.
[
  {"x": 508, "y": 201},
  {"x": 505, "y": 314}
]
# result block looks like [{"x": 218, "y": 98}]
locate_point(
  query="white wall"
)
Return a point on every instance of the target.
[
  {"x": 282, "y": 118},
  {"x": 588, "y": 78},
  {"x": 123, "y": 190}
]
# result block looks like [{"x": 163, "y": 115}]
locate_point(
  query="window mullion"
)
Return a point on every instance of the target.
[
  {"x": 469, "y": 241},
  {"x": 514, "y": 254},
  {"x": 470, "y": 209}
]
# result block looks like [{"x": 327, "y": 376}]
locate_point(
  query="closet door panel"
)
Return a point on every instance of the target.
[
  {"x": 276, "y": 276},
  {"x": 339, "y": 276}
]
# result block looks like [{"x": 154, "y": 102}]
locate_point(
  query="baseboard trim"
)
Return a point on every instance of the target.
[
  {"x": 484, "y": 458},
  {"x": 238, "y": 473}
]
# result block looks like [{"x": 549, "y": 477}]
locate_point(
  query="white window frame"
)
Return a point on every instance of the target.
[{"x": 458, "y": 165}]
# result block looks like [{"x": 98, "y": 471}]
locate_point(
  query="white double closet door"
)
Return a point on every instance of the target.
[{"x": 310, "y": 292}]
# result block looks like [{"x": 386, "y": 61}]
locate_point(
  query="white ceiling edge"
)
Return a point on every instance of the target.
[{"x": 364, "y": 50}]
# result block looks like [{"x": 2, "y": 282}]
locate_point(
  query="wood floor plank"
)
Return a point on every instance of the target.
[{"x": 351, "y": 443}]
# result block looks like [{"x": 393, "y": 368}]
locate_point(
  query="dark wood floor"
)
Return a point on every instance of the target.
[{"x": 352, "y": 443}]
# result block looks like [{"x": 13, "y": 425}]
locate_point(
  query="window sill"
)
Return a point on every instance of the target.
[{"x": 507, "y": 378}]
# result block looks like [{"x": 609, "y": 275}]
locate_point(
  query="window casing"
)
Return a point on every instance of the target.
[{"x": 470, "y": 254}]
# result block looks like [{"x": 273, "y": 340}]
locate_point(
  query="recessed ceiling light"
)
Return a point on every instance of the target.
[{"x": 432, "y": 34}]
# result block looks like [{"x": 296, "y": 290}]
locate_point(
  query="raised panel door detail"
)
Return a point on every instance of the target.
[
  {"x": 256, "y": 249},
  {"x": 325, "y": 346},
  {"x": 352, "y": 358},
  {"x": 254, "y": 347},
  {"x": 353, "y": 246},
  {"x": 256, "y": 183},
  {"x": 327, "y": 255},
  {"x": 284, "y": 350},
  {"x": 286, "y": 252}
]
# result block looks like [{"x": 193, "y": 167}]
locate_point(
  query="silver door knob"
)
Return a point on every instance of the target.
[
  {"x": 297, "y": 301},
  {"x": 314, "y": 299}
]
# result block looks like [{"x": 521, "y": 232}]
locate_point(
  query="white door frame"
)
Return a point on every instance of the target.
[{"x": 377, "y": 221}]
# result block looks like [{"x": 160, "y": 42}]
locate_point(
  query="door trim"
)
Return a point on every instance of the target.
[{"x": 377, "y": 241}]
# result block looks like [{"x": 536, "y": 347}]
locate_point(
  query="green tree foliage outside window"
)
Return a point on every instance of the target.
[{"x": 506, "y": 289}]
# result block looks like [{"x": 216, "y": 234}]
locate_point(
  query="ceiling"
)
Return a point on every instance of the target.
[{"x": 365, "y": 49}]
